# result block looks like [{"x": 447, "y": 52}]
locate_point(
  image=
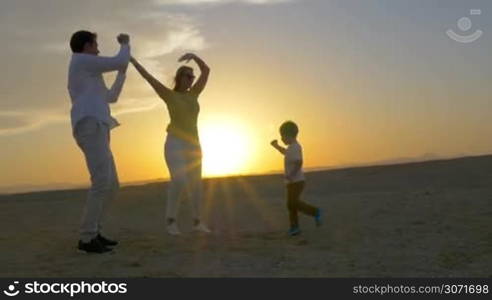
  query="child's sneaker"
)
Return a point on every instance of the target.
[
  {"x": 317, "y": 218},
  {"x": 294, "y": 231},
  {"x": 200, "y": 227},
  {"x": 173, "y": 229}
]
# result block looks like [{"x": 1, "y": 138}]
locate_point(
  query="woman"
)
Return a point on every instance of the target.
[{"x": 182, "y": 149}]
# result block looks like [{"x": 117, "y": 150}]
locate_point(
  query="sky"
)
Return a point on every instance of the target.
[{"x": 366, "y": 81}]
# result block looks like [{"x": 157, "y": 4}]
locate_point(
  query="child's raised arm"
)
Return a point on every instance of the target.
[{"x": 275, "y": 145}]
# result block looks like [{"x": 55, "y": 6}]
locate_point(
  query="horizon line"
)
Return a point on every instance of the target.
[{"x": 388, "y": 162}]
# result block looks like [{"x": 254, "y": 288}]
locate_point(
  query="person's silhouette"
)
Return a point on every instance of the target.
[
  {"x": 91, "y": 125},
  {"x": 182, "y": 150}
]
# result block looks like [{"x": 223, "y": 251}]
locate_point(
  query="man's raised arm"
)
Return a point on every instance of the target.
[
  {"x": 115, "y": 90},
  {"x": 101, "y": 64}
]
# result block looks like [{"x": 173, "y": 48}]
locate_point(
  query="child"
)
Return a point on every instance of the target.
[{"x": 294, "y": 177}]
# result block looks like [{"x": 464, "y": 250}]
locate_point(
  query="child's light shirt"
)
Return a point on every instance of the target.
[{"x": 293, "y": 153}]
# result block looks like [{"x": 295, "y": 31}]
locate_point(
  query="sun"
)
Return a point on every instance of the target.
[{"x": 224, "y": 147}]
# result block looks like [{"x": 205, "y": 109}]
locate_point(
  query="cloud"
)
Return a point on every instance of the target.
[
  {"x": 182, "y": 33},
  {"x": 38, "y": 54},
  {"x": 187, "y": 37},
  {"x": 16, "y": 122},
  {"x": 134, "y": 105},
  {"x": 57, "y": 48},
  {"x": 37, "y": 34}
]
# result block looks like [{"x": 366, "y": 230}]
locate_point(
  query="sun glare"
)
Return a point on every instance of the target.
[{"x": 224, "y": 147}]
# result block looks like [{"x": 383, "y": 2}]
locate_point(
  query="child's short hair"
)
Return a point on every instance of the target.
[{"x": 289, "y": 129}]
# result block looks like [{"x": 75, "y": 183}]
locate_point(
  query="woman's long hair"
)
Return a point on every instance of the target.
[{"x": 179, "y": 73}]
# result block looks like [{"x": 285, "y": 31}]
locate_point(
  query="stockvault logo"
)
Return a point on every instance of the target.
[{"x": 11, "y": 290}]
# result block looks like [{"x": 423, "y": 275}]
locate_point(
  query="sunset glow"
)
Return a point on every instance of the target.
[
  {"x": 367, "y": 82},
  {"x": 224, "y": 147}
]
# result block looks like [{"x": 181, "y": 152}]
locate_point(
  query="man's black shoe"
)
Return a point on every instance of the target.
[
  {"x": 94, "y": 246},
  {"x": 106, "y": 241}
]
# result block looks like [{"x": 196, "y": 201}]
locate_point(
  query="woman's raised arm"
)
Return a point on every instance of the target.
[
  {"x": 200, "y": 84},
  {"x": 158, "y": 87}
]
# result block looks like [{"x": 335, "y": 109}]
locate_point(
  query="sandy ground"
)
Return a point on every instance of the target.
[{"x": 430, "y": 219}]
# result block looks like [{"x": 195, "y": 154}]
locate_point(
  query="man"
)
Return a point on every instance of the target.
[{"x": 91, "y": 125}]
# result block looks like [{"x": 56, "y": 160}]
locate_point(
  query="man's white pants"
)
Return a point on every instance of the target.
[{"x": 93, "y": 138}]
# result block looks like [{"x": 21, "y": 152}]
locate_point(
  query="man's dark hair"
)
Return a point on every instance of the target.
[
  {"x": 289, "y": 128},
  {"x": 80, "y": 38}
]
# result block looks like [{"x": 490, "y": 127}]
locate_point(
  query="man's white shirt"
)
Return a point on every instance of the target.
[{"x": 89, "y": 95}]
